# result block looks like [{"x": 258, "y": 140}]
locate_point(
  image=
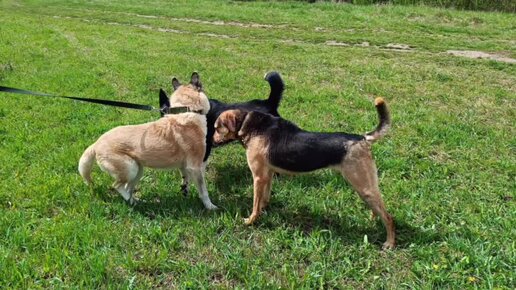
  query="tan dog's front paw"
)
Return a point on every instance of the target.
[
  {"x": 250, "y": 220},
  {"x": 211, "y": 207}
]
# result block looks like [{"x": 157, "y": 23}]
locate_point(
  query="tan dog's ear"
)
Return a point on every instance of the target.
[{"x": 175, "y": 83}]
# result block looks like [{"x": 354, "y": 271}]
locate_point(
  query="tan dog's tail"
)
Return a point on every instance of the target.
[
  {"x": 385, "y": 121},
  {"x": 86, "y": 163}
]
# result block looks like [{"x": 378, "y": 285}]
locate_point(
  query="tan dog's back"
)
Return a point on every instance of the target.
[{"x": 168, "y": 142}]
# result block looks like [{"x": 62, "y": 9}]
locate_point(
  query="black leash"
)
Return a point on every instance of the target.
[{"x": 164, "y": 110}]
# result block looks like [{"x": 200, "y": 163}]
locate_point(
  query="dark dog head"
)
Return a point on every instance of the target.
[
  {"x": 228, "y": 125},
  {"x": 164, "y": 103}
]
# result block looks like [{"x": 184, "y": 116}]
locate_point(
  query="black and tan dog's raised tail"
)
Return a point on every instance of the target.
[{"x": 385, "y": 121}]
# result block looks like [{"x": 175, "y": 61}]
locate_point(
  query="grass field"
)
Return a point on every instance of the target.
[
  {"x": 447, "y": 168},
  {"x": 477, "y": 5}
]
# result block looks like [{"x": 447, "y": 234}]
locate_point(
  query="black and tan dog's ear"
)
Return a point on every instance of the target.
[
  {"x": 230, "y": 122},
  {"x": 175, "y": 83},
  {"x": 164, "y": 102},
  {"x": 196, "y": 81}
]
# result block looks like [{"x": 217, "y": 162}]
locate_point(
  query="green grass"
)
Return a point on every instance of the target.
[
  {"x": 447, "y": 168},
  {"x": 486, "y": 5}
]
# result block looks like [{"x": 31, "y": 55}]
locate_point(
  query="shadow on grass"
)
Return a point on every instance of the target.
[
  {"x": 169, "y": 203},
  {"x": 307, "y": 221},
  {"x": 105, "y": 193},
  {"x": 176, "y": 204},
  {"x": 231, "y": 178},
  {"x": 234, "y": 181}
]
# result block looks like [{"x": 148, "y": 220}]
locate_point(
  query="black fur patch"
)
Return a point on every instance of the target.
[{"x": 294, "y": 149}]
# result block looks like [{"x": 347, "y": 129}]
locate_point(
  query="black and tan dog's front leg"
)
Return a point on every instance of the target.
[
  {"x": 262, "y": 185},
  {"x": 267, "y": 194},
  {"x": 262, "y": 179}
]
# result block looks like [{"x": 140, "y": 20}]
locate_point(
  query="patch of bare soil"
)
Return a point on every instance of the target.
[
  {"x": 336, "y": 43},
  {"x": 228, "y": 23},
  {"x": 148, "y": 27},
  {"x": 481, "y": 55},
  {"x": 216, "y": 22},
  {"x": 390, "y": 46},
  {"x": 397, "y": 46}
]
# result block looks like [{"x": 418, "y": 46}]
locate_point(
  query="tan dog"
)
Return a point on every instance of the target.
[
  {"x": 277, "y": 145},
  {"x": 174, "y": 141}
]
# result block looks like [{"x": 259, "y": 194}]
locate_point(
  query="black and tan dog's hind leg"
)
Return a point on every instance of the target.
[
  {"x": 262, "y": 178},
  {"x": 359, "y": 169}
]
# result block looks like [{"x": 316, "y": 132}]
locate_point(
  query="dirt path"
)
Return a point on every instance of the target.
[
  {"x": 481, "y": 55},
  {"x": 398, "y": 47}
]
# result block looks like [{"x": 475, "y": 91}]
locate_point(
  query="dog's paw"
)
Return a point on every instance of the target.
[
  {"x": 184, "y": 189},
  {"x": 387, "y": 246},
  {"x": 211, "y": 206},
  {"x": 249, "y": 221},
  {"x": 132, "y": 201}
]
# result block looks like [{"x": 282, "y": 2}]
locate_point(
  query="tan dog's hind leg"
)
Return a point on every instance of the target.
[
  {"x": 126, "y": 192},
  {"x": 361, "y": 173},
  {"x": 126, "y": 172},
  {"x": 136, "y": 179}
]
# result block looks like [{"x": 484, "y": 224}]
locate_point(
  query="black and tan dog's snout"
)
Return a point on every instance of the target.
[{"x": 218, "y": 139}]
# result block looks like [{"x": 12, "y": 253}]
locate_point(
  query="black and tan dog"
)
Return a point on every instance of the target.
[
  {"x": 277, "y": 145},
  {"x": 269, "y": 106}
]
